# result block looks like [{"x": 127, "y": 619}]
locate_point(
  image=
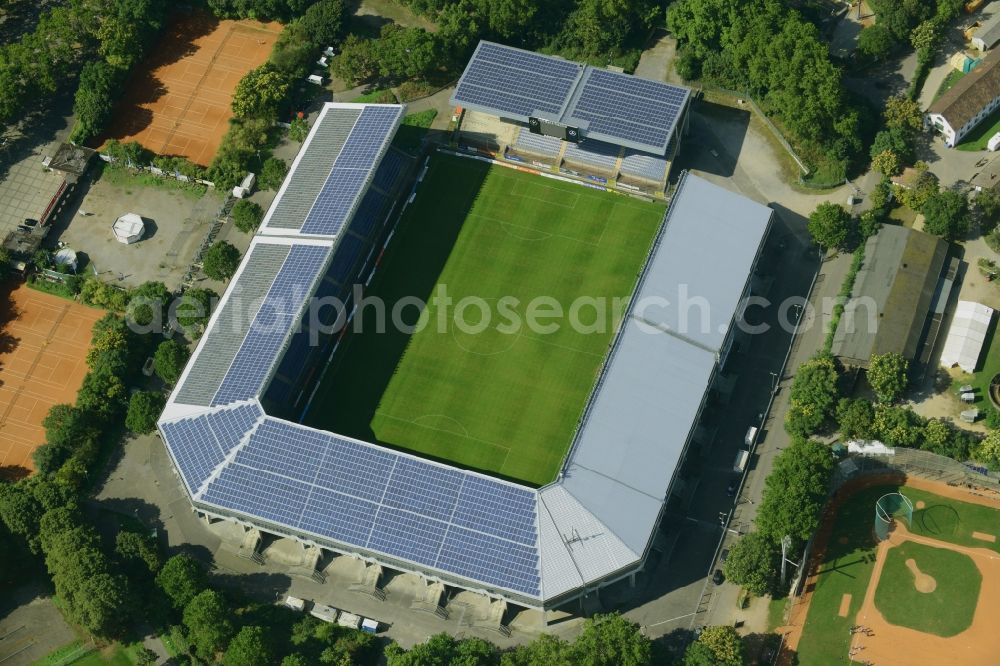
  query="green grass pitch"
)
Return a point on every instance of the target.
[
  {"x": 500, "y": 401},
  {"x": 948, "y": 610}
]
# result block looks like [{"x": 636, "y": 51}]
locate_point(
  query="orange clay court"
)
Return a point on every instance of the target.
[
  {"x": 43, "y": 348},
  {"x": 178, "y": 102}
]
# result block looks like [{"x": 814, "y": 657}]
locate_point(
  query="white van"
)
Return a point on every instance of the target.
[{"x": 742, "y": 457}]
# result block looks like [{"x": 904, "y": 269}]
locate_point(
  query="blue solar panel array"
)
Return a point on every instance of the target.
[
  {"x": 384, "y": 501},
  {"x": 517, "y": 82},
  {"x": 627, "y": 108},
  {"x": 200, "y": 444},
  {"x": 351, "y": 171},
  {"x": 272, "y": 324},
  {"x": 605, "y": 105}
]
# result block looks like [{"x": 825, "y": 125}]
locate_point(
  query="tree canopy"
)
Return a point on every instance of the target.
[
  {"x": 753, "y": 564},
  {"x": 169, "y": 360},
  {"x": 888, "y": 375},
  {"x": 946, "y": 214},
  {"x": 794, "y": 491},
  {"x": 144, "y": 408},
  {"x": 209, "y": 622},
  {"x": 181, "y": 578},
  {"x": 247, "y": 215},
  {"x": 830, "y": 225},
  {"x": 813, "y": 396},
  {"x": 221, "y": 261}
]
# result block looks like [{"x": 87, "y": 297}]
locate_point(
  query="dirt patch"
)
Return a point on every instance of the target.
[
  {"x": 43, "y": 348},
  {"x": 178, "y": 102},
  {"x": 921, "y": 504},
  {"x": 845, "y": 605},
  {"x": 922, "y": 582},
  {"x": 983, "y": 536}
]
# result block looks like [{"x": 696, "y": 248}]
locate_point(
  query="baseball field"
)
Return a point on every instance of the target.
[{"x": 929, "y": 593}]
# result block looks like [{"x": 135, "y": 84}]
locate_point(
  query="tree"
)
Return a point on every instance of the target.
[
  {"x": 324, "y": 22},
  {"x": 272, "y": 173},
  {"x": 209, "y": 622},
  {"x": 144, "y": 408},
  {"x": 138, "y": 547},
  {"x": 247, "y": 215},
  {"x": 259, "y": 93},
  {"x": 221, "y": 261},
  {"x": 546, "y": 650},
  {"x": 897, "y": 426},
  {"x": 988, "y": 450},
  {"x": 854, "y": 418},
  {"x": 410, "y": 53},
  {"x": 921, "y": 188},
  {"x": 169, "y": 360},
  {"x": 145, "y": 657},
  {"x": 181, "y": 578},
  {"x": 794, "y": 491},
  {"x": 896, "y": 140},
  {"x": 193, "y": 309},
  {"x": 924, "y": 36},
  {"x": 946, "y": 214},
  {"x": 148, "y": 304},
  {"x": 876, "y": 41},
  {"x": 724, "y": 643},
  {"x": 357, "y": 61},
  {"x": 903, "y": 113},
  {"x": 294, "y": 659},
  {"x": 813, "y": 396},
  {"x": 887, "y": 375},
  {"x": 248, "y": 648},
  {"x": 103, "y": 394},
  {"x": 21, "y": 512},
  {"x": 829, "y": 225},
  {"x": 752, "y": 563},
  {"x": 887, "y": 163},
  {"x": 95, "y": 99},
  {"x": 699, "y": 654},
  {"x": 988, "y": 208},
  {"x": 298, "y": 130},
  {"x": 611, "y": 640}
]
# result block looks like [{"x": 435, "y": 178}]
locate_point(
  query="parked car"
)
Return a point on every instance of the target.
[
  {"x": 731, "y": 488},
  {"x": 717, "y": 577}
]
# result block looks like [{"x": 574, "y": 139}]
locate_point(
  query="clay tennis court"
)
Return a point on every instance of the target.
[
  {"x": 43, "y": 347},
  {"x": 178, "y": 102}
]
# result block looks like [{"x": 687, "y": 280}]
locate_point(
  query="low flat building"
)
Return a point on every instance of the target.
[
  {"x": 988, "y": 34},
  {"x": 968, "y": 102},
  {"x": 892, "y": 296}
]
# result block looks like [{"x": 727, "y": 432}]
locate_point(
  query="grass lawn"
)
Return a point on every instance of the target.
[
  {"x": 953, "y": 521},
  {"x": 980, "y": 135},
  {"x": 127, "y": 179},
  {"x": 946, "y": 611},
  {"x": 79, "y": 653},
  {"x": 953, "y": 77},
  {"x": 376, "y": 97},
  {"x": 846, "y": 569},
  {"x": 501, "y": 401},
  {"x": 412, "y": 130}
]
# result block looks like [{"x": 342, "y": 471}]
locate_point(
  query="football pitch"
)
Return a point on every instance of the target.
[{"x": 475, "y": 384}]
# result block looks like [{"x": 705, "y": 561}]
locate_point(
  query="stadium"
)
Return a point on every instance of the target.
[{"x": 290, "y": 422}]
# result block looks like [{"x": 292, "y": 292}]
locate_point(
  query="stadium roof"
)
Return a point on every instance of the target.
[
  {"x": 608, "y": 106},
  {"x": 533, "y": 546}
]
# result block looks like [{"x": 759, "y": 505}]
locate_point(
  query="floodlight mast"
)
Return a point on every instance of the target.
[{"x": 786, "y": 543}]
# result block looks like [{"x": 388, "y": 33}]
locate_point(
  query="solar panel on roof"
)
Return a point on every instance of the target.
[
  {"x": 270, "y": 496},
  {"x": 407, "y": 535},
  {"x": 516, "y": 82},
  {"x": 351, "y": 170},
  {"x": 259, "y": 349},
  {"x": 425, "y": 488},
  {"x": 486, "y": 558}
]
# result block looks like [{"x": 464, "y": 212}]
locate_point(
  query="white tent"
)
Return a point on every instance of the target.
[
  {"x": 966, "y": 336},
  {"x": 129, "y": 228},
  {"x": 65, "y": 257}
]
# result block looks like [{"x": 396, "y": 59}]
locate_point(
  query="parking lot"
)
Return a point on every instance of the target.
[{"x": 26, "y": 189}]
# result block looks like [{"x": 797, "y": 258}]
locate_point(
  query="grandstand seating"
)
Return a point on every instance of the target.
[
  {"x": 345, "y": 259},
  {"x": 389, "y": 172},
  {"x": 537, "y": 144},
  {"x": 644, "y": 165},
  {"x": 370, "y": 212},
  {"x": 593, "y": 154}
]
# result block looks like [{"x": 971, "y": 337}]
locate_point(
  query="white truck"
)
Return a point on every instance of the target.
[{"x": 740, "y": 464}]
